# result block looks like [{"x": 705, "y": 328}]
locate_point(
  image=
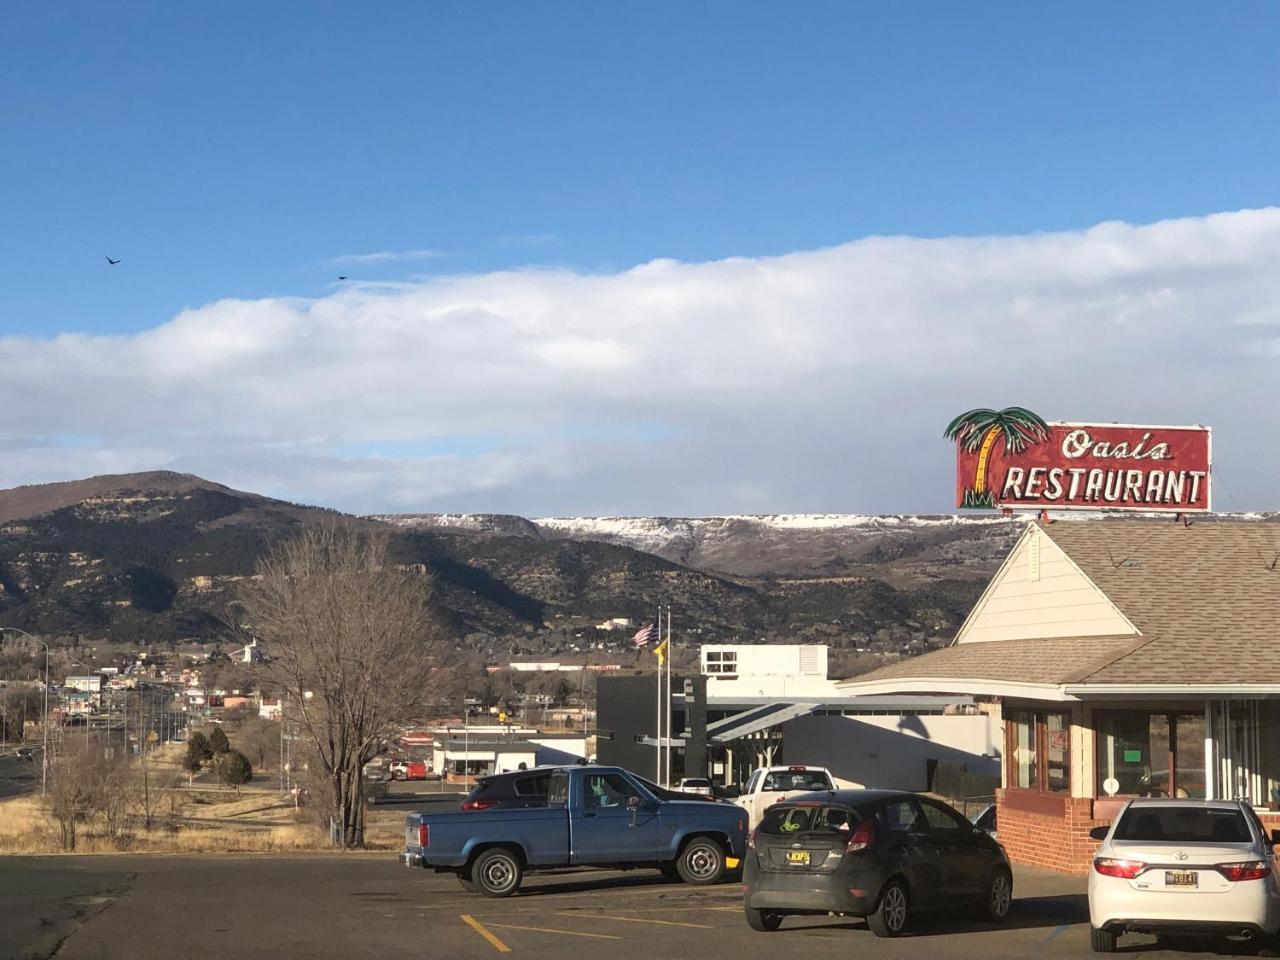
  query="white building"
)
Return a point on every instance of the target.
[
  {"x": 774, "y": 703},
  {"x": 758, "y": 670},
  {"x": 92, "y": 683},
  {"x": 616, "y": 623}
]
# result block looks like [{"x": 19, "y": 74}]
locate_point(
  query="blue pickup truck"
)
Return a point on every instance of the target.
[{"x": 594, "y": 816}]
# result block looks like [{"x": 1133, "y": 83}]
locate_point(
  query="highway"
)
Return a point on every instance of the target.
[
  {"x": 18, "y": 776},
  {"x": 333, "y": 907}
]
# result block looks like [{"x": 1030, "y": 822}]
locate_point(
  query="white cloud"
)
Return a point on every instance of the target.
[
  {"x": 386, "y": 256},
  {"x": 819, "y": 380}
]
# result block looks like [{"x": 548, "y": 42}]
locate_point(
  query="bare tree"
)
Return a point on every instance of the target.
[
  {"x": 352, "y": 646},
  {"x": 257, "y": 739},
  {"x": 75, "y": 775}
]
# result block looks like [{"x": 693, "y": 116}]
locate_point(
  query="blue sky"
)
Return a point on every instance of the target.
[
  {"x": 243, "y": 152},
  {"x": 235, "y": 149}
]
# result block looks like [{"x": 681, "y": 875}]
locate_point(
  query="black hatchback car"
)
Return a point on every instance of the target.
[{"x": 878, "y": 854}]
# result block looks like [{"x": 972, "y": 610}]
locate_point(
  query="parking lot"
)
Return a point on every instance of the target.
[{"x": 320, "y": 907}]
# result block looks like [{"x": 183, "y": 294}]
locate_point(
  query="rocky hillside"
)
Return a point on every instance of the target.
[
  {"x": 157, "y": 557},
  {"x": 900, "y": 549}
]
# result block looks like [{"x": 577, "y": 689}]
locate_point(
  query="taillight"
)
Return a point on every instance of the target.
[
  {"x": 470, "y": 805},
  {"x": 1250, "y": 870},
  {"x": 863, "y": 836},
  {"x": 424, "y": 835},
  {"x": 1124, "y": 869}
]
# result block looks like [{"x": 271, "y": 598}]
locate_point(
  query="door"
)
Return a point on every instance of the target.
[
  {"x": 964, "y": 859},
  {"x": 915, "y": 849},
  {"x": 613, "y": 821}
]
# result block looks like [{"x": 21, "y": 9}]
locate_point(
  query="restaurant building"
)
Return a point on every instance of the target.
[{"x": 1128, "y": 658}]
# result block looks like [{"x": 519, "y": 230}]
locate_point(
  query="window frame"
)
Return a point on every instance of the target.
[
  {"x": 1171, "y": 759},
  {"x": 1039, "y": 720}
]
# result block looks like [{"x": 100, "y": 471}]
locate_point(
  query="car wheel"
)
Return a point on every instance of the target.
[
  {"x": 1102, "y": 941},
  {"x": 467, "y": 884},
  {"x": 763, "y": 920},
  {"x": 890, "y": 918},
  {"x": 999, "y": 895},
  {"x": 671, "y": 872},
  {"x": 701, "y": 861},
  {"x": 497, "y": 873}
]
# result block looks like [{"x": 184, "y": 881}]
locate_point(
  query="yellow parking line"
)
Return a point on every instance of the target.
[
  {"x": 665, "y": 923},
  {"x": 479, "y": 928},
  {"x": 567, "y": 933}
]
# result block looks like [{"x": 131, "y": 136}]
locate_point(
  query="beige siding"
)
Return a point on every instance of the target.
[{"x": 1040, "y": 593}]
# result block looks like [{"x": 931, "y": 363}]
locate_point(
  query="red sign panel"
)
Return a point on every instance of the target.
[{"x": 1013, "y": 459}]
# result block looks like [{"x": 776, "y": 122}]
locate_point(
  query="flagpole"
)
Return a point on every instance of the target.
[
  {"x": 669, "y": 733},
  {"x": 657, "y": 776}
]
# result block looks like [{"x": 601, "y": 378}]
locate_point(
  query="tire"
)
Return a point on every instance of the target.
[
  {"x": 701, "y": 862},
  {"x": 890, "y": 918},
  {"x": 999, "y": 896},
  {"x": 671, "y": 872},
  {"x": 766, "y": 921},
  {"x": 497, "y": 872},
  {"x": 1102, "y": 941},
  {"x": 464, "y": 879}
]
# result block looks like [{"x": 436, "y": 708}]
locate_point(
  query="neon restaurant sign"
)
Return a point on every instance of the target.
[{"x": 1012, "y": 459}]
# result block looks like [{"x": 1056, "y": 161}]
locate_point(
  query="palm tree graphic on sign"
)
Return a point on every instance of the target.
[{"x": 977, "y": 432}]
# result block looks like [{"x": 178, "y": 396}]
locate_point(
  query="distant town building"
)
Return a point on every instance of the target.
[{"x": 616, "y": 623}]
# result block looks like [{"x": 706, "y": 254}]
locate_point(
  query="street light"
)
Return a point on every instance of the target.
[{"x": 44, "y": 725}]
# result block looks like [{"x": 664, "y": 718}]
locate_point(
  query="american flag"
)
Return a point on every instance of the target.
[{"x": 645, "y": 636}]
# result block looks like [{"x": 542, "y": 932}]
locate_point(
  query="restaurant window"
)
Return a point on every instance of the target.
[
  {"x": 1150, "y": 754},
  {"x": 1039, "y": 750}
]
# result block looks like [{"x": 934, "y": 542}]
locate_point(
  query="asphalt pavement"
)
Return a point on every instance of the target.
[
  {"x": 326, "y": 907},
  {"x": 18, "y": 776}
]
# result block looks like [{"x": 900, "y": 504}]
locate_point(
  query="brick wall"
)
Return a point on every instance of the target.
[
  {"x": 1061, "y": 841},
  {"x": 1053, "y": 841}
]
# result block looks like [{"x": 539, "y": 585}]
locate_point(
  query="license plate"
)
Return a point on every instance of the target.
[
  {"x": 798, "y": 858},
  {"x": 1181, "y": 878}
]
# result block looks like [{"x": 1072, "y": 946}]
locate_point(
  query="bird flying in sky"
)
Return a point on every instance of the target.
[{"x": 112, "y": 262}]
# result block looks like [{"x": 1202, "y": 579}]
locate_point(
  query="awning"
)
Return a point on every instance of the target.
[{"x": 753, "y": 721}]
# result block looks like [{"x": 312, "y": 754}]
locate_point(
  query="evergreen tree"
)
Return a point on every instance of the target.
[
  {"x": 234, "y": 768},
  {"x": 198, "y": 747},
  {"x": 218, "y": 742}
]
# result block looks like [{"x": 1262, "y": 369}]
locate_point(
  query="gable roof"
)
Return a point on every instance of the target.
[
  {"x": 1205, "y": 597},
  {"x": 1038, "y": 661}
]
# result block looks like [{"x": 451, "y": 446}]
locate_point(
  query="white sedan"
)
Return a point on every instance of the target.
[
  {"x": 698, "y": 785},
  {"x": 1183, "y": 865}
]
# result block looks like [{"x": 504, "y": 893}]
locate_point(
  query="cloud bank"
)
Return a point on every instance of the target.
[
  {"x": 814, "y": 381},
  {"x": 385, "y": 256}
]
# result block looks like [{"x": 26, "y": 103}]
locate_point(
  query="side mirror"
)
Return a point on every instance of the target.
[
  {"x": 633, "y": 803},
  {"x": 731, "y": 792},
  {"x": 1100, "y": 833}
]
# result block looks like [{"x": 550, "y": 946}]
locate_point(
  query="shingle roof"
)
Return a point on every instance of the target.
[
  {"x": 1023, "y": 661},
  {"x": 1206, "y": 598}
]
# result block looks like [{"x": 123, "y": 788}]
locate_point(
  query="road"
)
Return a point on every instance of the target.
[
  {"x": 326, "y": 907},
  {"x": 18, "y": 776}
]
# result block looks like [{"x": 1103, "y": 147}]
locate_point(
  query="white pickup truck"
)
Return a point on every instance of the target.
[{"x": 768, "y": 785}]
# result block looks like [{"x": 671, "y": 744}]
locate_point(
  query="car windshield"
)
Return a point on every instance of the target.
[
  {"x": 1182, "y": 824},
  {"x": 784, "y": 821},
  {"x": 695, "y": 782},
  {"x": 796, "y": 780}
]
